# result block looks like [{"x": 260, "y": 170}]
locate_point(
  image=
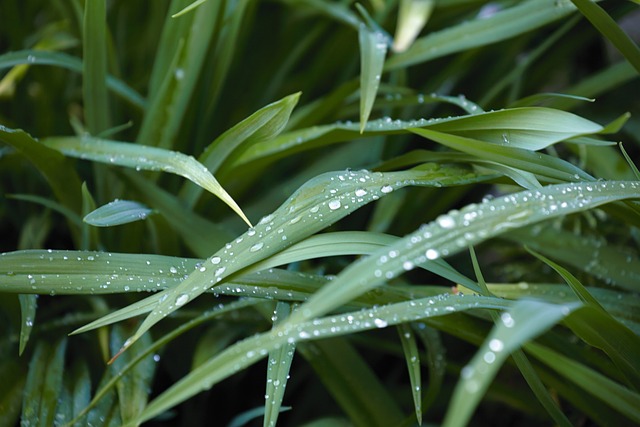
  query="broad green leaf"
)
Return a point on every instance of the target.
[
  {"x": 613, "y": 394},
  {"x": 94, "y": 67},
  {"x": 532, "y": 128},
  {"x": 611, "y": 30},
  {"x": 505, "y": 24},
  {"x": 373, "y": 49},
  {"x": 316, "y": 205},
  {"x": 540, "y": 164},
  {"x": 116, "y": 213},
  {"x": 412, "y": 356},
  {"x": 142, "y": 157},
  {"x": 520, "y": 324},
  {"x": 28, "y": 305},
  {"x": 63, "y": 60},
  {"x": 412, "y": 17}
]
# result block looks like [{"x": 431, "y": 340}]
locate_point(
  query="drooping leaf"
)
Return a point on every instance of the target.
[{"x": 142, "y": 157}]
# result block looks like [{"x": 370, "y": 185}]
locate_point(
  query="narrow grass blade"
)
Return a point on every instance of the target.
[
  {"x": 523, "y": 322},
  {"x": 66, "y": 61},
  {"x": 611, "y": 30},
  {"x": 133, "y": 388},
  {"x": 94, "y": 72},
  {"x": 116, "y": 213},
  {"x": 189, "y": 8},
  {"x": 44, "y": 384},
  {"x": 412, "y": 17},
  {"x": 278, "y": 367},
  {"x": 57, "y": 170},
  {"x": 436, "y": 361},
  {"x": 540, "y": 164},
  {"x": 613, "y": 394},
  {"x": 373, "y": 49},
  {"x": 505, "y": 24},
  {"x": 28, "y": 305},
  {"x": 619, "y": 266},
  {"x": 264, "y": 124},
  {"x": 73, "y": 217},
  {"x": 412, "y": 356},
  {"x": 632, "y": 165},
  {"x": 141, "y": 157}
]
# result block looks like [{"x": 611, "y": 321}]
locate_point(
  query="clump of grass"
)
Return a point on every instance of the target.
[{"x": 227, "y": 207}]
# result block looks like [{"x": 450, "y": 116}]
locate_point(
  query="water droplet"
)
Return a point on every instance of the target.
[
  {"x": 407, "y": 265},
  {"x": 179, "y": 73},
  {"x": 219, "y": 271},
  {"x": 507, "y": 320},
  {"x": 380, "y": 323},
  {"x": 256, "y": 247},
  {"x": 386, "y": 189},
  {"x": 431, "y": 254},
  {"x": 215, "y": 260},
  {"x": 489, "y": 357},
  {"x": 334, "y": 204},
  {"x": 182, "y": 299},
  {"x": 173, "y": 270},
  {"x": 496, "y": 345},
  {"x": 446, "y": 221}
]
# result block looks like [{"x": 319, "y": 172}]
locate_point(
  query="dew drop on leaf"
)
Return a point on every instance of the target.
[
  {"x": 334, "y": 204},
  {"x": 182, "y": 299}
]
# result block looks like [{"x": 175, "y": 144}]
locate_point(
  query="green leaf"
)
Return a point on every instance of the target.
[
  {"x": 94, "y": 70},
  {"x": 503, "y": 25},
  {"x": 63, "y": 60},
  {"x": 412, "y": 17},
  {"x": 613, "y": 394},
  {"x": 412, "y": 356},
  {"x": 133, "y": 387},
  {"x": 611, "y": 30},
  {"x": 523, "y": 322},
  {"x": 44, "y": 384},
  {"x": 373, "y": 49},
  {"x": 57, "y": 170},
  {"x": 249, "y": 351},
  {"x": 278, "y": 367},
  {"x": 142, "y": 157},
  {"x": 28, "y": 305},
  {"x": 116, "y": 213},
  {"x": 316, "y": 205},
  {"x": 457, "y": 230}
]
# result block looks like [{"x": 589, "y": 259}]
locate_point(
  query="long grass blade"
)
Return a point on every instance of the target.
[{"x": 141, "y": 157}]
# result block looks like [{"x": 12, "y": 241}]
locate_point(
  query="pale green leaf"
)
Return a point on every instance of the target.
[
  {"x": 28, "y": 305},
  {"x": 520, "y": 324},
  {"x": 116, "y": 213},
  {"x": 142, "y": 157}
]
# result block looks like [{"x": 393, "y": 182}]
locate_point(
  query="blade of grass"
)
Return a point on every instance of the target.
[
  {"x": 141, "y": 157},
  {"x": 523, "y": 322},
  {"x": 505, "y": 24},
  {"x": 28, "y": 305},
  {"x": 412, "y": 356},
  {"x": 94, "y": 72},
  {"x": 611, "y": 30}
]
